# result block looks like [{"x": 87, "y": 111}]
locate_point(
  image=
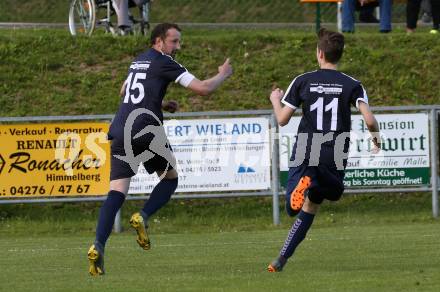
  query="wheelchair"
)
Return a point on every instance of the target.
[{"x": 86, "y": 15}]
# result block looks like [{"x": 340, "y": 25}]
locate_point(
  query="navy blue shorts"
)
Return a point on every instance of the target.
[
  {"x": 121, "y": 169},
  {"x": 327, "y": 183}
]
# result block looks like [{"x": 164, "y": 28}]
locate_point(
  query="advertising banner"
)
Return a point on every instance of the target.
[
  {"x": 403, "y": 161},
  {"x": 215, "y": 155},
  {"x": 54, "y": 159}
]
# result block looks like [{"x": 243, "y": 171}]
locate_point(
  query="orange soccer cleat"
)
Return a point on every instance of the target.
[{"x": 297, "y": 196}]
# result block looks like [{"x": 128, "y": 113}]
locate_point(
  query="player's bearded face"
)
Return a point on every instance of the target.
[{"x": 171, "y": 43}]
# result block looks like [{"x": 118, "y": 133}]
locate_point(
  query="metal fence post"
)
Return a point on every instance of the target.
[
  {"x": 434, "y": 171},
  {"x": 339, "y": 15},
  {"x": 118, "y": 226},
  {"x": 275, "y": 170}
]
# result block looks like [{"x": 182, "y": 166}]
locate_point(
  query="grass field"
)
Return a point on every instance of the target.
[
  {"x": 392, "y": 257},
  {"x": 361, "y": 243}
]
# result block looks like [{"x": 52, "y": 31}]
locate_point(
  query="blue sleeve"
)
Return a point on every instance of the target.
[
  {"x": 292, "y": 97},
  {"x": 358, "y": 94},
  {"x": 171, "y": 70}
]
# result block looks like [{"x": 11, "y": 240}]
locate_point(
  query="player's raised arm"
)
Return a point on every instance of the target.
[
  {"x": 371, "y": 123},
  {"x": 282, "y": 114},
  {"x": 206, "y": 87}
]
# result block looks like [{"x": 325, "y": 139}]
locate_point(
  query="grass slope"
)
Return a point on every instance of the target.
[{"x": 47, "y": 72}]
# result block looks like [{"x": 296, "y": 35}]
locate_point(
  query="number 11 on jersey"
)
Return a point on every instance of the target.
[{"x": 319, "y": 107}]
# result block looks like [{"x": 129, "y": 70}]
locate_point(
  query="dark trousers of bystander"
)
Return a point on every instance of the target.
[{"x": 413, "y": 9}]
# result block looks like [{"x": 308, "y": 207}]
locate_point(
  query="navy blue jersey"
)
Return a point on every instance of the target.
[
  {"x": 325, "y": 97},
  {"x": 148, "y": 78}
]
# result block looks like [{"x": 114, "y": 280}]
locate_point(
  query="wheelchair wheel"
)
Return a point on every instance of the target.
[{"x": 82, "y": 17}]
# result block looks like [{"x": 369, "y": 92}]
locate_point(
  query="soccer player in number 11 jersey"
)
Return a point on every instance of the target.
[{"x": 319, "y": 156}]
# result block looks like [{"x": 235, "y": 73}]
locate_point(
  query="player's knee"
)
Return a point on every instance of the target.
[
  {"x": 172, "y": 175},
  {"x": 290, "y": 211},
  {"x": 174, "y": 179},
  {"x": 310, "y": 207},
  {"x": 169, "y": 174}
]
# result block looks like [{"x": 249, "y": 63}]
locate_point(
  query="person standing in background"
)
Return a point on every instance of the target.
[
  {"x": 348, "y": 15},
  {"x": 412, "y": 15}
]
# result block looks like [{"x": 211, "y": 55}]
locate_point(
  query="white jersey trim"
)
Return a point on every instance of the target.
[
  {"x": 173, "y": 60},
  {"x": 185, "y": 79},
  {"x": 288, "y": 104},
  {"x": 349, "y": 76},
  {"x": 363, "y": 98}
]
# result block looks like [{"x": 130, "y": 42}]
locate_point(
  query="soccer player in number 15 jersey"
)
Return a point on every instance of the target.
[
  {"x": 138, "y": 136},
  {"x": 319, "y": 156}
]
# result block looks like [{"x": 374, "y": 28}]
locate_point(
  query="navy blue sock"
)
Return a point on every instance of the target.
[
  {"x": 296, "y": 234},
  {"x": 107, "y": 215},
  {"x": 160, "y": 195}
]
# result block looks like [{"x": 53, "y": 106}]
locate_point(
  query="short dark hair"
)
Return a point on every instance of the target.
[
  {"x": 332, "y": 44},
  {"x": 160, "y": 30}
]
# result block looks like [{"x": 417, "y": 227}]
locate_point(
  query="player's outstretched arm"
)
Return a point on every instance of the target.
[
  {"x": 371, "y": 123},
  {"x": 282, "y": 114},
  {"x": 208, "y": 86}
]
